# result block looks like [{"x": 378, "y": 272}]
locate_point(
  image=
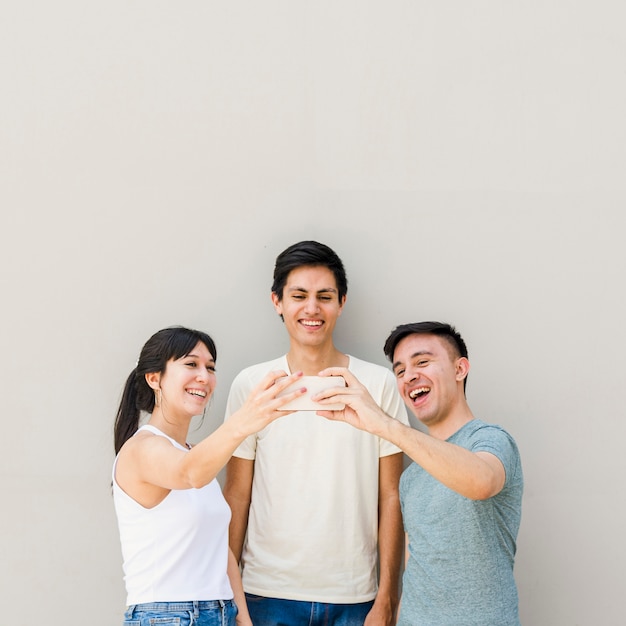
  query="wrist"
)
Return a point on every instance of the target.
[
  {"x": 234, "y": 428},
  {"x": 387, "y": 598},
  {"x": 391, "y": 430}
]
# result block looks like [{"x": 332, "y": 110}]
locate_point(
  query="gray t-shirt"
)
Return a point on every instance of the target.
[{"x": 460, "y": 568}]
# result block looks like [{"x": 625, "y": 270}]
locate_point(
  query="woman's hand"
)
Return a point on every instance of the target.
[{"x": 263, "y": 405}]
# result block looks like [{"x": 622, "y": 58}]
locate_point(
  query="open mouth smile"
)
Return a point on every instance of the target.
[
  {"x": 311, "y": 323},
  {"x": 197, "y": 392},
  {"x": 418, "y": 392}
]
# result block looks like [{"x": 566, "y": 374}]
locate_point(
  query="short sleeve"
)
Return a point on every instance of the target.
[{"x": 498, "y": 442}]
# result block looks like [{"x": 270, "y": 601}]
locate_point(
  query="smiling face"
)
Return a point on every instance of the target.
[
  {"x": 309, "y": 305},
  {"x": 430, "y": 377},
  {"x": 187, "y": 383}
]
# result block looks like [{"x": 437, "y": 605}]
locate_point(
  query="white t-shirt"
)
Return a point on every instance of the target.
[
  {"x": 313, "y": 522},
  {"x": 176, "y": 551}
]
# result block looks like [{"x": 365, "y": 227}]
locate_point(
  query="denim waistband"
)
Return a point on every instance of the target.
[{"x": 168, "y": 607}]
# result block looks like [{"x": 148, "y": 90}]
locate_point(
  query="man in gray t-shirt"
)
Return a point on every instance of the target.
[{"x": 461, "y": 497}]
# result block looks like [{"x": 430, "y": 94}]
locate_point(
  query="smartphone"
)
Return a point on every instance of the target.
[{"x": 313, "y": 384}]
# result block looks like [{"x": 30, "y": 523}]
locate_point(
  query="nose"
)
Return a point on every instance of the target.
[
  {"x": 410, "y": 374},
  {"x": 311, "y": 305},
  {"x": 203, "y": 374}
]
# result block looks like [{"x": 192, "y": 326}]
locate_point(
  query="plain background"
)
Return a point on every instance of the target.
[{"x": 465, "y": 159}]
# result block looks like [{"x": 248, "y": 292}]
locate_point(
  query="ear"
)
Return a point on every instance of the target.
[
  {"x": 154, "y": 380},
  {"x": 462, "y": 368},
  {"x": 342, "y": 303},
  {"x": 277, "y": 303}
]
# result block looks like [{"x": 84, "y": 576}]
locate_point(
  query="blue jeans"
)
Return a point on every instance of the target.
[
  {"x": 275, "y": 612},
  {"x": 209, "y": 613}
]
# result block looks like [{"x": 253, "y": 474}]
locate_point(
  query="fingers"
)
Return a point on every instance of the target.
[
  {"x": 266, "y": 394},
  {"x": 278, "y": 378},
  {"x": 349, "y": 377},
  {"x": 331, "y": 415},
  {"x": 263, "y": 406},
  {"x": 281, "y": 383},
  {"x": 330, "y": 395}
]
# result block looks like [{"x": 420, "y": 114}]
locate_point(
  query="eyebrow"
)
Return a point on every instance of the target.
[
  {"x": 324, "y": 290},
  {"x": 193, "y": 355},
  {"x": 419, "y": 353}
]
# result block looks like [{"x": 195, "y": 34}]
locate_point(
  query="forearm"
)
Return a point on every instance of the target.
[
  {"x": 465, "y": 472},
  {"x": 391, "y": 549},
  {"x": 206, "y": 459},
  {"x": 234, "y": 576},
  {"x": 260, "y": 408},
  {"x": 406, "y": 563},
  {"x": 390, "y": 537},
  {"x": 238, "y": 492}
]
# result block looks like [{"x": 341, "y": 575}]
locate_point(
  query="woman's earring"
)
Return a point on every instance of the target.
[{"x": 157, "y": 397}]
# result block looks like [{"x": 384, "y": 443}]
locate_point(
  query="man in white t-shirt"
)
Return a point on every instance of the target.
[{"x": 316, "y": 514}]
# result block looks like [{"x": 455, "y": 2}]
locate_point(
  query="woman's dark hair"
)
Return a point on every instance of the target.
[
  {"x": 312, "y": 254},
  {"x": 170, "y": 343}
]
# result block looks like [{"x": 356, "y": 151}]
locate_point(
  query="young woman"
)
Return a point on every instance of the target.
[{"x": 172, "y": 517}]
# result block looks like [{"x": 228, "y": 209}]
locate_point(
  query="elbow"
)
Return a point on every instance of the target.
[
  {"x": 195, "y": 479},
  {"x": 485, "y": 489},
  {"x": 481, "y": 494},
  {"x": 196, "y": 484}
]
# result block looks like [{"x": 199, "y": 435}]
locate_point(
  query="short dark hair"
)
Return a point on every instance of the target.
[
  {"x": 312, "y": 254},
  {"x": 451, "y": 336},
  {"x": 447, "y": 331}
]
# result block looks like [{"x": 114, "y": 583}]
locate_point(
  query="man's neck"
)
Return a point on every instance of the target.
[
  {"x": 444, "y": 429},
  {"x": 310, "y": 360}
]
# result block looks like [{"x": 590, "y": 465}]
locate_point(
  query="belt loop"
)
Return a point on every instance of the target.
[
  {"x": 196, "y": 609},
  {"x": 223, "y": 607}
]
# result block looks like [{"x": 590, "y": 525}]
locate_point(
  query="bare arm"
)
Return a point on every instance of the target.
[
  {"x": 406, "y": 561},
  {"x": 238, "y": 491},
  {"x": 234, "y": 576},
  {"x": 390, "y": 542},
  {"x": 477, "y": 476},
  {"x": 149, "y": 466}
]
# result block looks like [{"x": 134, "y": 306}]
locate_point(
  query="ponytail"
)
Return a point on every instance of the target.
[{"x": 129, "y": 412}]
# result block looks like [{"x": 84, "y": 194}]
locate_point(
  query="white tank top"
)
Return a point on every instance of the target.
[{"x": 176, "y": 551}]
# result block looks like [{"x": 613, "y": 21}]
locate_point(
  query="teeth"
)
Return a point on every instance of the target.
[
  {"x": 418, "y": 392},
  {"x": 311, "y": 323},
  {"x": 197, "y": 392}
]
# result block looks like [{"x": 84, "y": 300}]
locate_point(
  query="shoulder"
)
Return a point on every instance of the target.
[
  {"x": 145, "y": 443},
  {"x": 150, "y": 436},
  {"x": 479, "y": 430},
  {"x": 479, "y": 436}
]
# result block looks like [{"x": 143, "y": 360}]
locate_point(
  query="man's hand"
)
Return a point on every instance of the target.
[
  {"x": 361, "y": 411},
  {"x": 381, "y": 614}
]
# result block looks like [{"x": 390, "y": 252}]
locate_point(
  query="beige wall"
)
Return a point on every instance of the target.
[{"x": 466, "y": 160}]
